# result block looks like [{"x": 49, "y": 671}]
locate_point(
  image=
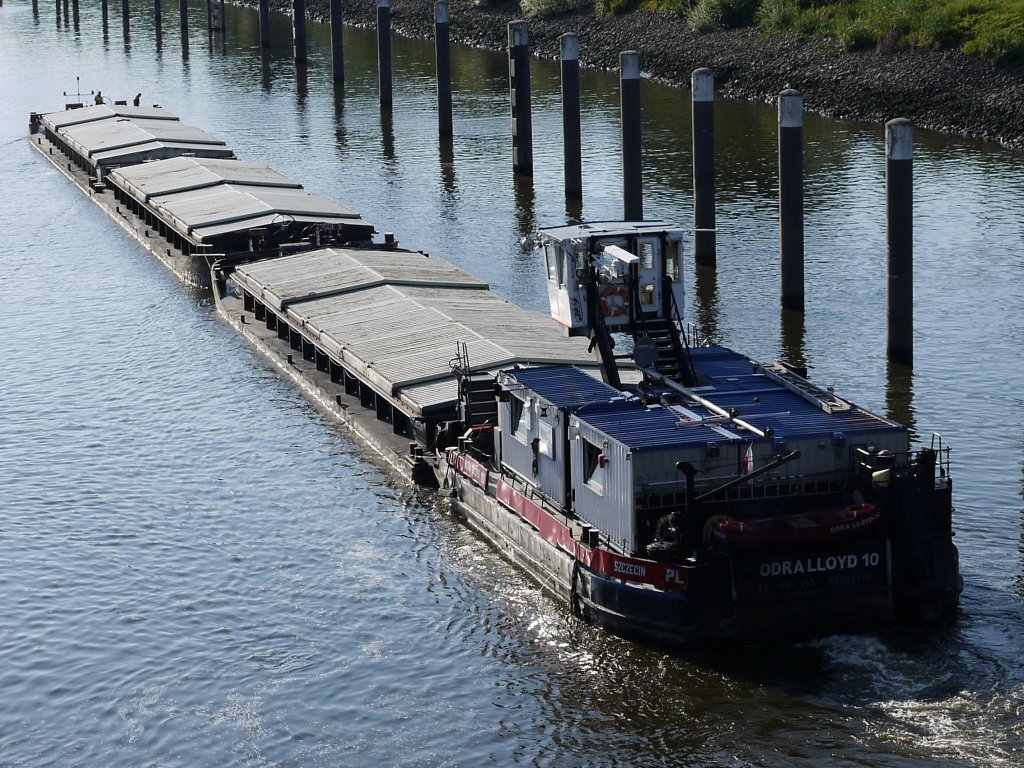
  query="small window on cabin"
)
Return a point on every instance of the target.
[
  {"x": 593, "y": 465},
  {"x": 547, "y": 439},
  {"x": 672, "y": 261},
  {"x": 520, "y": 422},
  {"x": 648, "y": 250},
  {"x": 516, "y": 414}
]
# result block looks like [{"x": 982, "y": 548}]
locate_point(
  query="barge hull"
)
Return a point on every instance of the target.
[{"x": 191, "y": 269}]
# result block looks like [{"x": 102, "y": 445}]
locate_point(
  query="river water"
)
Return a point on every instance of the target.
[{"x": 200, "y": 568}]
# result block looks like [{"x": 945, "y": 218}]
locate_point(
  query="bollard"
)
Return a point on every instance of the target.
[
  {"x": 299, "y": 29},
  {"x": 899, "y": 230},
  {"x": 632, "y": 164},
  {"x": 337, "y": 43},
  {"x": 519, "y": 94},
  {"x": 443, "y": 54},
  {"x": 791, "y": 198},
  {"x": 265, "y": 23},
  {"x": 571, "y": 144},
  {"x": 703, "y": 84},
  {"x": 384, "y": 52}
]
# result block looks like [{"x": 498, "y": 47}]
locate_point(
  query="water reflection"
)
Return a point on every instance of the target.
[
  {"x": 35, "y": 10},
  {"x": 387, "y": 137},
  {"x": 217, "y": 42},
  {"x": 340, "y": 135},
  {"x": 899, "y": 396},
  {"x": 301, "y": 87},
  {"x": 794, "y": 332},
  {"x": 75, "y": 16},
  {"x": 573, "y": 209},
  {"x": 446, "y": 153},
  {"x": 706, "y": 298},
  {"x": 265, "y": 79},
  {"x": 526, "y": 214}
]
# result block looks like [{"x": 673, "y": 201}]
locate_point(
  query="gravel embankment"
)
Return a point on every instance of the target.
[{"x": 940, "y": 90}]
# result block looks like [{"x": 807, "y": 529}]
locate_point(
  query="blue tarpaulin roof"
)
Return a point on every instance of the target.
[
  {"x": 735, "y": 384},
  {"x": 566, "y": 387}
]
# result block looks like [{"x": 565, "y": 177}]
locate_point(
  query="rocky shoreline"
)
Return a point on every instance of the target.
[{"x": 939, "y": 90}]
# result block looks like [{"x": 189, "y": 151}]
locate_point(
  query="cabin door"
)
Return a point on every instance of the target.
[{"x": 650, "y": 272}]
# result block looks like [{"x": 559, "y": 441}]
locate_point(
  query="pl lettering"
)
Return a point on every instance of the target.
[{"x": 672, "y": 576}]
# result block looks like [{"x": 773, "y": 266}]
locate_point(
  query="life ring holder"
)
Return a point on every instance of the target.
[
  {"x": 614, "y": 300},
  {"x": 859, "y": 511}
]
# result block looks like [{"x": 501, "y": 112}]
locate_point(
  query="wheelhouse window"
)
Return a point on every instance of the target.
[
  {"x": 648, "y": 249},
  {"x": 553, "y": 256}
]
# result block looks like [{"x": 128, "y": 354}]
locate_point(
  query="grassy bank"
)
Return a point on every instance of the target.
[{"x": 990, "y": 29}]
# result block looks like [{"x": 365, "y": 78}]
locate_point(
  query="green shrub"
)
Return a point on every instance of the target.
[
  {"x": 534, "y": 8},
  {"x": 856, "y": 36},
  {"x": 998, "y": 34},
  {"x": 778, "y": 15},
  {"x": 709, "y": 15}
]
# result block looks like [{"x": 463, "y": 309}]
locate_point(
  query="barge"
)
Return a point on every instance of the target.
[{"x": 669, "y": 489}]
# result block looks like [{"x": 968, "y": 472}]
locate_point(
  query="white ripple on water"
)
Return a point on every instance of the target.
[
  {"x": 979, "y": 727},
  {"x": 917, "y": 700}
]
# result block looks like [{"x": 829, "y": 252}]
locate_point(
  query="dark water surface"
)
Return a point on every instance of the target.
[{"x": 199, "y": 568}]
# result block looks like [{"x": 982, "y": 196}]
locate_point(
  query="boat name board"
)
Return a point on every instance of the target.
[{"x": 851, "y": 566}]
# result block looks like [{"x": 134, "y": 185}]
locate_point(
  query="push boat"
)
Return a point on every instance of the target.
[{"x": 668, "y": 488}]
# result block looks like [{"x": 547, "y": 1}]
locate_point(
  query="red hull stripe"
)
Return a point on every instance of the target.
[
  {"x": 472, "y": 469},
  {"x": 559, "y": 535}
]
